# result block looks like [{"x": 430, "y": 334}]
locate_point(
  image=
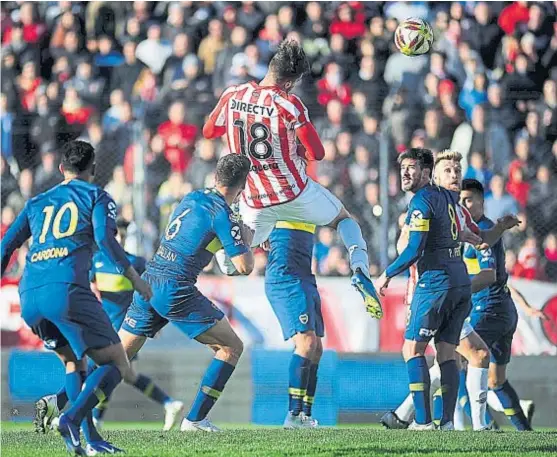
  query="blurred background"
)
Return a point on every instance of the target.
[{"x": 137, "y": 79}]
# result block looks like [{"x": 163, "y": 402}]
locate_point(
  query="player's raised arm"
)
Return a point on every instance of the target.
[
  {"x": 305, "y": 132},
  {"x": 216, "y": 122},
  {"x": 17, "y": 234},
  {"x": 104, "y": 228}
]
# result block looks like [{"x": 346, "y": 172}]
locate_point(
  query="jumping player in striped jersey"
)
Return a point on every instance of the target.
[{"x": 263, "y": 122}]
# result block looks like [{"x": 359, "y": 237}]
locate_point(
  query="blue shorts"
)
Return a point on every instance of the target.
[
  {"x": 438, "y": 314},
  {"x": 173, "y": 301},
  {"x": 67, "y": 314},
  {"x": 497, "y": 330},
  {"x": 115, "y": 312},
  {"x": 297, "y": 305}
]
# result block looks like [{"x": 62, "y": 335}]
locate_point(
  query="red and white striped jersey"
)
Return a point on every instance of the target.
[
  {"x": 465, "y": 220},
  {"x": 260, "y": 123}
]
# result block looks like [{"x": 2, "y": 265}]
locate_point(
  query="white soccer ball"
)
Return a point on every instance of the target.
[{"x": 413, "y": 37}]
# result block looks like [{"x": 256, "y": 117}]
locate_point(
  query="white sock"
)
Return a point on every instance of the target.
[
  {"x": 476, "y": 384},
  {"x": 435, "y": 378},
  {"x": 351, "y": 235},
  {"x": 458, "y": 419},
  {"x": 494, "y": 403},
  {"x": 406, "y": 409}
]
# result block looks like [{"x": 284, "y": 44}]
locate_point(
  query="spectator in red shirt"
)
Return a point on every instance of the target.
[
  {"x": 27, "y": 85},
  {"x": 179, "y": 138},
  {"x": 517, "y": 187},
  {"x": 347, "y": 24},
  {"x": 512, "y": 15},
  {"x": 527, "y": 263},
  {"x": 74, "y": 110},
  {"x": 32, "y": 30},
  {"x": 332, "y": 87}
]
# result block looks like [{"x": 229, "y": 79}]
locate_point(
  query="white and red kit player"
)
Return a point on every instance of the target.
[{"x": 264, "y": 121}]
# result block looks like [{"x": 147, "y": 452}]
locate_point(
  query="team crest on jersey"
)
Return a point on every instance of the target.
[
  {"x": 112, "y": 210},
  {"x": 486, "y": 253},
  {"x": 304, "y": 318}
]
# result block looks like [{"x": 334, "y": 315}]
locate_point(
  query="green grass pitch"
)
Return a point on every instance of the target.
[{"x": 144, "y": 440}]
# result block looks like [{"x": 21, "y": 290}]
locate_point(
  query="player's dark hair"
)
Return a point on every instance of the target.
[
  {"x": 77, "y": 156},
  {"x": 290, "y": 62},
  {"x": 473, "y": 185},
  {"x": 232, "y": 170},
  {"x": 421, "y": 155}
]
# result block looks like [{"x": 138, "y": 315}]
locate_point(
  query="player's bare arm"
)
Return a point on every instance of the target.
[{"x": 521, "y": 301}]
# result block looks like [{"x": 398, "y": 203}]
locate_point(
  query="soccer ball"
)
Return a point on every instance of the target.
[{"x": 413, "y": 37}]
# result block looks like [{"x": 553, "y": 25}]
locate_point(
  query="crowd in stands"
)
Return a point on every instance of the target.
[{"x": 137, "y": 79}]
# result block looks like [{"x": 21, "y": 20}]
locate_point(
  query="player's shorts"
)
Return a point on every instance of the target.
[
  {"x": 67, "y": 314},
  {"x": 438, "y": 314},
  {"x": 115, "y": 312},
  {"x": 497, "y": 330},
  {"x": 466, "y": 328},
  {"x": 315, "y": 205},
  {"x": 173, "y": 301},
  {"x": 297, "y": 305}
]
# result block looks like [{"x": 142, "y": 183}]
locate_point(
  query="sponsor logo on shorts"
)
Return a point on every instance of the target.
[
  {"x": 51, "y": 253},
  {"x": 427, "y": 333},
  {"x": 131, "y": 322},
  {"x": 304, "y": 318},
  {"x": 273, "y": 194}
]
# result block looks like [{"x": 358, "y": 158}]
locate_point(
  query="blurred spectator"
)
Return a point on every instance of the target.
[
  {"x": 473, "y": 93},
  {"x": 211, "y": 45},
  {"x": 269, "y": 37},
  {"x": 178, "y": 136},
  {"x": 516, "y": 237},
  {"x": 157, "y": 165},
  {"x": 238, "y": 39},
  {"x": 32, "y": 29},
  {"x": 249, "y": 17},
  {"x": 153, "y": 52},
  {"x": 542, "y": 201},
  {"x": 175, "y": 22},
  {"x": 87, "y": 87},
  {"x": 9, "y": 183},
  {"x": 499, "y": 203},
  {"x": 517, "y": 187},
  {"x": 170, "y": 193},
  {"x": 547, "y": 109},
  {"x": 202, "y": 164},
  {"x": 483, "y": 34},
  {"x": 478, "y": 170},
  {"x": 323, "y": 244},
  {"x": 125, "y": 75},
  {"x": 24, "y": 192},
  {"x": 173, "y": 67},
  {"x": 27, "y": 84},
  {"x": 6, "y": 124},
  {"x": 371, "y": 83},
  {"x": 528, "y": 261},
  {"x": 346, "y": 24},
  {"x": 74, "y": 110},
  {"x": 550, "y": 257},
  {"x": 332, "y": 87},
  {"x": 118, "y": 188},
  {"x": 436, "y": 137}
]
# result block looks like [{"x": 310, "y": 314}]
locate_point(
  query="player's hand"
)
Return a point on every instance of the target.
[
  {"x": 301, "y": 150},
  {"x": 470, "y": 237},
  {"x": 382, "y": 284},
  {"x": 266, "y": 246},
  {"x": 143, "y": 288},
  {"x": 508, "y": 222},
  {"x": 535, "y": 314}
]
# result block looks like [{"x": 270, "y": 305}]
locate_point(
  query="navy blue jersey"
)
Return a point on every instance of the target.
[
  {"x": 201, "y": 224},
  {"x": 496, "y": 295},
  {"x": 290, "y": 253},
  {"x": 64, "y": 223},
  {"x": 111, "y": 283},
  {"x": 432, "y": 211}
]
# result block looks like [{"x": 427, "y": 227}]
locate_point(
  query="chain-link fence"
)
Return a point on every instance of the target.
[{"x": 137, "y": 80}]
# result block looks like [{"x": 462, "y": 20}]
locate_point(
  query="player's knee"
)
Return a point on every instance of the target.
[
  {"x": 411, "y": 349},
  {"x": 495, "y": 380},
  {"x": 306, "y": 344},
  {"x": 343, "y": 214},
  {"x": 231, "y": 352},
  {"x": 480, "y": 358},
  {"x": 318, "y": 353}
]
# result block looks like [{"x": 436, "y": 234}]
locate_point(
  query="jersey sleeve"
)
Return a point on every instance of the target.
[
  {"x": 218, "y": 115},
  {"x": 17, "y": 234},
  {"x": 229, "y": 233},
  {"x": 419, "y": 214},
  {"x": 486, "y": 259},
  {"x": 104, "y": 230},
  {"x": 302, "y": 114},
  {"x": 139, "y": 264},
  {"x": 465, "y": 220}
]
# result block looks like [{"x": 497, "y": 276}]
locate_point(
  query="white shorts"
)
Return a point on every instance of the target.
[
  {"x": 466, "y": 329},
  {"x": 315, "y": 205}
]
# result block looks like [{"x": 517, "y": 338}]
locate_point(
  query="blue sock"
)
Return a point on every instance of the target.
[
  {"x": 298, "y": 383},
  {"x": 98, "y": 386},
  {"x": 146, "y": 386},
  {"x": 89, "y": 431},
  {"x": 449, "y": 389},
  {"x": 463, "y": 393},
  {"x": 351, "y": 235},
  {"x": 73, "y": 386},
  {"x": 419, "y": 384},
  {"x": 211, "y": 387},
  {"x": 437, "y": 406},
  {"x": 61, "y": 398},
  {"x": 510, "y": 401},
  {"x": 311, "y": 388}
]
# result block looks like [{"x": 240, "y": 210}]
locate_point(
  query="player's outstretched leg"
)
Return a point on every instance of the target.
[
  {"x": 508, "y": 397},
  {"x": 174, "y": 409},
  {"x": 351, "y": 235},
  {"x": 228, "y": 349}
]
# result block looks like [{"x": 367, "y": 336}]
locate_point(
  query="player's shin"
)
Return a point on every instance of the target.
[
  {"x": 437, "y": 403},
  {"x": 311, "y": 389},
  {"x": 476, "y": 384},
  {"x": 419, "y": 384},
  {"x": 449, "y": 389},
  {"x": 87, "y": 426},
  {"x": 98, "y": 386},
  {"x": 148, "y": 388},
  {"x": 212, "y": 385},
  {"x": 351, "y": 235},
  {"x": 298, "y": 381},
  {"x": 511, "y": 404}
]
